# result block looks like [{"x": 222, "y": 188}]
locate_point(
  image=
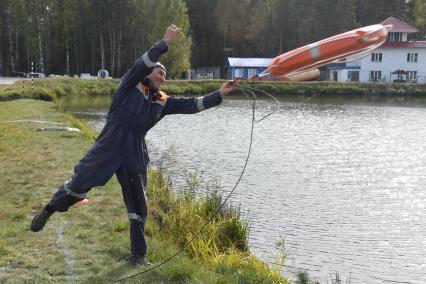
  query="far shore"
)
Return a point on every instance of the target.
[{"x": 51, "y": 88}]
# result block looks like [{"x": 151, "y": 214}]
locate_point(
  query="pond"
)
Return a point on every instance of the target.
[{"x": 342, "y": 184}]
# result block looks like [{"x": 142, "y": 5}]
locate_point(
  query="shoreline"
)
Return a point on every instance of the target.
[
  {"x": 94, "y": 238},
  {"x": 50, "y": 89}
]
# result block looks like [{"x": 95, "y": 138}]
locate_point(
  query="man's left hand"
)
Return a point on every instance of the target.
[{"x": 228, "y": 87}]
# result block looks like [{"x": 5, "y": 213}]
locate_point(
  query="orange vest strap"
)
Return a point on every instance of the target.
[
  {"x": 159, "y": 96},
  {"x": 145, "y": 89}
]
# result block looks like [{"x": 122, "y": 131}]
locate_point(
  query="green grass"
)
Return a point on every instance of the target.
[
  {"x": 52, "y": 88},
  {"x": 89, "y": 244}
]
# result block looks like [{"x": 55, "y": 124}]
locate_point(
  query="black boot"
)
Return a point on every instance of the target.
[
  {"x": 138, "y": 259},
  {"x": 41, "y": 218}
]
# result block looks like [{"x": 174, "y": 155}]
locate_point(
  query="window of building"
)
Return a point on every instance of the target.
[
  {"x": 376, "y": 57},
  {"x": 412, "y": 57},
  {"x": 353, "y": 76},
  {"x": 251, "y": 73},
  {"x": 238, "y": 72},
  {"x": 412, "y": 75},
  {"x": 375, "y": 75},
  {"x": 395, "y": 37}
]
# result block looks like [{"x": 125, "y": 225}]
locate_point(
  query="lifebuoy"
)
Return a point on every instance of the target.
[{"x": 350, "y": 45}]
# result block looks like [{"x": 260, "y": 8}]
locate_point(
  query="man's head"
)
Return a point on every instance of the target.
[{"x": 157, "y": 76}]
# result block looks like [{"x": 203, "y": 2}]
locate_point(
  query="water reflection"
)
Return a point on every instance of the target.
[{"x": 342, "y": 184}]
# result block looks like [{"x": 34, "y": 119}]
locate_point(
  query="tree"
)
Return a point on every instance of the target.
[
  {"x": 82, "y": 36},
  {"x": 2, "y": 32},
  {"x": 418, "y": 13},
  {"x": 150, "y": 22},
  {"x": 334, "y": 17},
  {"x": 417, "y": 10},
  {"x": 177, "y": 59},
  {"x": 373, "y": 12},
  {"x": 206, "y": 37}
]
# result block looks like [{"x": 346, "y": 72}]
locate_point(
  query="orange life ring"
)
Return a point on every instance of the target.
[
  {"x": 303, "y": 76},
  {"x": 350, "y": 45}
]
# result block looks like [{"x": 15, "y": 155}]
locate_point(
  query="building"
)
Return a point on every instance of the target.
[
  {"x": 397, "y": 60},
  {"x": 211, "y": 72},
  {"x": 246, "y": 67}
]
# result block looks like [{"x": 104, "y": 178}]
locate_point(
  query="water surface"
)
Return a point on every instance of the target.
[{"x": 343, "y": 185}]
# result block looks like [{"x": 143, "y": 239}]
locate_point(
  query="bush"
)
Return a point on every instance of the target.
[
  {"x": 233, "y": 231},
  {"x": 10, "y": 95},
  {"x": 43, "y": 94},
  {"x": 48, "y": 89}
]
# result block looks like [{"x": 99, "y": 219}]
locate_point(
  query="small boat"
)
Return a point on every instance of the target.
[{"x": 348, "y": 46}]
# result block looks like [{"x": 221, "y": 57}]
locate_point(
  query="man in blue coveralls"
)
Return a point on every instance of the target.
[{"x": 136, "y": 107}]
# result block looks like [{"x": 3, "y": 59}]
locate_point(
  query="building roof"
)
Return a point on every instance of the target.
[
  {"x": 249, "y": 62},
  {"x": 406, "y": 44},
  {"x": 399, "y": 26}
]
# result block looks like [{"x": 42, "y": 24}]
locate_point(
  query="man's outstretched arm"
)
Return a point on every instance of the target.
[
  {"x": 144, "y": 65},
  {"x": 194, "y": 105}
]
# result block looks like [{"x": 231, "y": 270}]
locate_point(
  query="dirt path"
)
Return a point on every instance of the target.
[{"x": 10, "y": 80}]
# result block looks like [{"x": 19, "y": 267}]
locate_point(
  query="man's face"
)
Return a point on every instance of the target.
[{"x": 157, "y": 78}]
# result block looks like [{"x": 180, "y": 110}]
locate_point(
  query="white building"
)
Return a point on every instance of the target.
[{"x": 397, "y": 60}]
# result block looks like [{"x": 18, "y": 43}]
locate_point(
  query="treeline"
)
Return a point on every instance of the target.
[
  {"x": 83, "y": 36},
  {"x": 267, "y": 28}
]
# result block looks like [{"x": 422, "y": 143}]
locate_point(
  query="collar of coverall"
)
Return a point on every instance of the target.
[
  {"x": 146, "y": 86},
  {"x": 148, "y": 91}
]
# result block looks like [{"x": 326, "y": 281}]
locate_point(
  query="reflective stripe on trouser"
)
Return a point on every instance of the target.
[
  {"x": 133, "y": 183},
  {"x": 65, "y": 197},
  {"x": 95, "y": 169}
]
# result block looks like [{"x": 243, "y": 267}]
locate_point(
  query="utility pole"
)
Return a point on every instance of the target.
[{"x": 32, "y": 76}]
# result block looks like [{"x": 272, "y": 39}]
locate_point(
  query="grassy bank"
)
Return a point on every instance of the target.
[
  {"x": 90, "y": 243},
  {"x": 321, "y": 90},
  {"x": 49, "y": 89}
]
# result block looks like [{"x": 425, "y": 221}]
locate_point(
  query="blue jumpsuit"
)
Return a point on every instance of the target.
[{"x": 121, "y": 147}]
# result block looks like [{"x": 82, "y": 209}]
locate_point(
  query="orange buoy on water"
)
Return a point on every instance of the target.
[{"x": 347, "y": 46}]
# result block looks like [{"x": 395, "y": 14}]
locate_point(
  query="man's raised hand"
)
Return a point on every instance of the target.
[{"x": 171, "y": 33}]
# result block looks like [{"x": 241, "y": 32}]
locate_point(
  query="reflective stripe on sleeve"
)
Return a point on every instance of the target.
[
  {"x": 200, "y": 105},
  {"x": 147, "y": 60}
]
